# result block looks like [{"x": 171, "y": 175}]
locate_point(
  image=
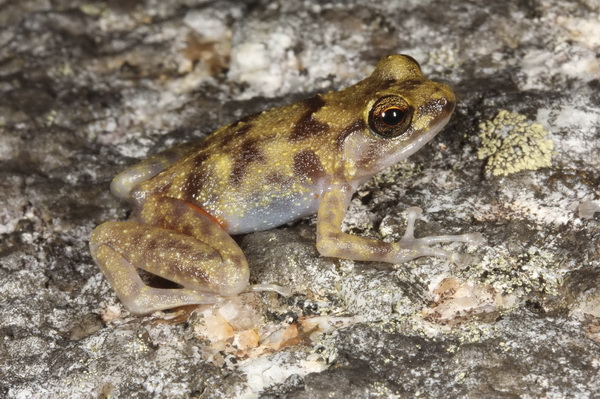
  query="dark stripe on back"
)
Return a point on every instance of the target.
[
  {"x": 194, "y": 183},
  {"x": 307, "y": 126},
  {"x": 249, "y": 152},
  {"x": 196, "y": 177},
  {"x": 199, "y": 159},
  {"x": 307, "y": 165}
]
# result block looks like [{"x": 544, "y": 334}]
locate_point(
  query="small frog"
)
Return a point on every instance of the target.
[{"x": 263, "y": 171}]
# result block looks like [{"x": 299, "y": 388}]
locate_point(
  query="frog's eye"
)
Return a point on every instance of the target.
[{"x": 390, "y": 116}]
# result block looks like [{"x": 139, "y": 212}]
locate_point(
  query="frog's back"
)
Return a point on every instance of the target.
[{"x": 255, "y": 174}]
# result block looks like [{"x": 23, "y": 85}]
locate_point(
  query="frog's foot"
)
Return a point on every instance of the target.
[
  {"x": 417, "y": 247},
  {"x": 283, "y": 291}
]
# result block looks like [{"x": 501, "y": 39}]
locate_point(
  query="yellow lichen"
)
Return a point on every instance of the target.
[{"x": 511, "y": 144}]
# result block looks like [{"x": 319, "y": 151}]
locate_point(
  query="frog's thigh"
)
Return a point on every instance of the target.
[{"x": 205, "y": 272}]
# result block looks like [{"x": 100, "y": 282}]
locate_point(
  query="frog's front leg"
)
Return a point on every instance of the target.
[
  {"x": 174, "y": 240},
  {"x": 331, "y": 241}
]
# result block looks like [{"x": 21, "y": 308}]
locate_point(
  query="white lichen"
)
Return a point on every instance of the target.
[{"x": 511, "y": 144}]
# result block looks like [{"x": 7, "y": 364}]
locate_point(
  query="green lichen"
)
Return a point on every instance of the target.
[{"x": 511, "y": 144}]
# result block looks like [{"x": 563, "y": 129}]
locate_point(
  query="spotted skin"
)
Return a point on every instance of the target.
[{"x": 263, "y": 171}]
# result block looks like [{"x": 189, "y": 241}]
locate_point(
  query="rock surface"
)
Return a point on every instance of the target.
[{"x": 88, "y": 88}]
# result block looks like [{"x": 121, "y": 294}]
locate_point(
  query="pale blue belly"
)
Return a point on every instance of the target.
[{"x": 280, "y": 210}]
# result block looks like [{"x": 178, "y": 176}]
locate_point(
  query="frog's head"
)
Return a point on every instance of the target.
[{"x": 402, "y": 111}]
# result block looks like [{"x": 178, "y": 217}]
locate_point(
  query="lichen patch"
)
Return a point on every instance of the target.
[{"x": 511, "y": 144}]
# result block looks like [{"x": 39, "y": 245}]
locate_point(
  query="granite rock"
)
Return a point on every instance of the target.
[{"x": 89, "y": 88}]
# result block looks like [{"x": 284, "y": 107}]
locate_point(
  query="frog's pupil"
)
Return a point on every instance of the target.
[{"x": 392, "y": 116}]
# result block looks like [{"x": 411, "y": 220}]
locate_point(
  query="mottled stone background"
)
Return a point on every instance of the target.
[{"x": 88, "y": 88}]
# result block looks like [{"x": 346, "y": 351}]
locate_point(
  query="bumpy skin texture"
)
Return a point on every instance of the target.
[{"x": 263, "y": 171}]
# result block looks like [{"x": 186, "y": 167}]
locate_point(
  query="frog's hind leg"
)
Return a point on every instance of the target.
[
  {"x": 138, "y": 297},
  {"x": 191, "y": 220},
  {"x": 179, "y": 244},
  {"x": 119, "y": 248}
]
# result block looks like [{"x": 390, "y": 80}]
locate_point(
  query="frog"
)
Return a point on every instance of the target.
[{"x": 264, "y": 171}]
